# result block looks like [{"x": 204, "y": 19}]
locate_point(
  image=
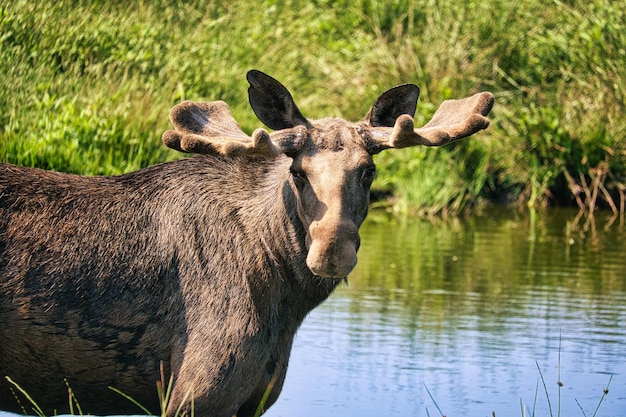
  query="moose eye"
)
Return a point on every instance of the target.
[
  {"x": 368, "y": 175},
  {"x": 298, "y": 177}
]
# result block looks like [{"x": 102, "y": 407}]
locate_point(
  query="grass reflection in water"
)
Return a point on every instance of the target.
[{"x": 470, "y": 309}]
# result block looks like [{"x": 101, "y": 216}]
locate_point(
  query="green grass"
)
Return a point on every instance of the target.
[
  {"x": 31, "y": 407},
  {"x": 86, "y": 86},
  {"x": 164, "y": 392}
]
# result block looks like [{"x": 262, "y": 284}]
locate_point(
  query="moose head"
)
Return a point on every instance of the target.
[{"x": 329, "y": 160}]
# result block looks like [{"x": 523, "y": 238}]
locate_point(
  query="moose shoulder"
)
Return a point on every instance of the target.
[{"x": 205, "y": 266}]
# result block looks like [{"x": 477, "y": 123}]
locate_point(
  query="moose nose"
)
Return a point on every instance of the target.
[{"x": 332, "y": 250}]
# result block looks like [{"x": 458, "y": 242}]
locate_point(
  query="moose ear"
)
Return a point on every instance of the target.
[
  {"x": 272, "y": 103},
  {"x": 392, "y": 104}
]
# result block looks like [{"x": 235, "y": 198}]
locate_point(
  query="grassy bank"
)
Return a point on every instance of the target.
[{"x": 86, "y": 87}]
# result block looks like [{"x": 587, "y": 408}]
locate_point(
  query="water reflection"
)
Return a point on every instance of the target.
[{"x": 469, "y": 310}]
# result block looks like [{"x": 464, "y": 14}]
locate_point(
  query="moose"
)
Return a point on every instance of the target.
[{"x": 201, "y": 268}]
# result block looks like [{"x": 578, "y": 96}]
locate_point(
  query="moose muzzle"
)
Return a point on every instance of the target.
[{"x": 332, "y": 248}]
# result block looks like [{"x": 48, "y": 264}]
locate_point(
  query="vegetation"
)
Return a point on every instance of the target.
[
  {"x": 86, "y": 85},
  {"x": 164, "y": 391}
]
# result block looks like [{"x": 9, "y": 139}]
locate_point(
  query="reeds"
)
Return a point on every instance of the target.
[{"x": 164, "y": 391}]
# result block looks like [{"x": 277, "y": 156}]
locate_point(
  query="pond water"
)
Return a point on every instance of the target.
[{"x": 476, "y": 313}]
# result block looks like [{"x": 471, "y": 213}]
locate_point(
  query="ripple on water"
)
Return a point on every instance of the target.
[{"x": 472, "y": 313}]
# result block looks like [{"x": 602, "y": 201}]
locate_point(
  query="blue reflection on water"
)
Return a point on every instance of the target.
[
  {"x": 374, "y": 367},
  {"x": 487, "y": 308}
]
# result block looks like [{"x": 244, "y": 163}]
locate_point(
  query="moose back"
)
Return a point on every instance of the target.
[{"x": 202, "y": 268}]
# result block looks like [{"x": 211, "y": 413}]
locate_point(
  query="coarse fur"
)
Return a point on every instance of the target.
[
  {"x": 205, "y": 266},
  {"x": 113, "y": 331}
]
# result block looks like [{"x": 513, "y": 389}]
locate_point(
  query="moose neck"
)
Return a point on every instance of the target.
[
  {"x": 282, "y": 234},
  {"x": 255, "y": 197}
]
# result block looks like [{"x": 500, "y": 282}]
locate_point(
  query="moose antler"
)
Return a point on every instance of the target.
[
  {"x": 453, "y": 120},
  {"x": 209, "y": 128}
]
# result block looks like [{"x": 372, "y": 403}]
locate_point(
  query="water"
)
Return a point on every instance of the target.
[{"x": 472, "y": 312}]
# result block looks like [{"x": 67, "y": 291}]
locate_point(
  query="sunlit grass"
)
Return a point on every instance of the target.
[
  {"x": 559, "y": 384},
  {"x": 87, "y": 85},
  {"x": 34, "y": 406},
  {"x": 525, "y": 412},
  {"x": 164, "y": 392}
]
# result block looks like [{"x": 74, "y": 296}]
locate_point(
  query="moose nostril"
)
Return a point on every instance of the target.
[{"x": 332, "y": 261}]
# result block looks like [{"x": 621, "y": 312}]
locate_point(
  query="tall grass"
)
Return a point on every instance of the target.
[
  {"x": 86, "y": 86},
  {"x": 164, "y": 391}
]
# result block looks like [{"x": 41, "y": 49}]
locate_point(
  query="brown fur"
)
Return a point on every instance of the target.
[{"x": 206, "y": 265}]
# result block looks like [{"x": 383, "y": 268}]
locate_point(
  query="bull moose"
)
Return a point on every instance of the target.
[{"x": 202, "y": 268}]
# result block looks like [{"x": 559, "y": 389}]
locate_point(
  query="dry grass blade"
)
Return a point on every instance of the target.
[
  {"x": 38, "y": 411},
  {"x": 131, "y": 399},
  {"x": 434, "y": 402}
]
